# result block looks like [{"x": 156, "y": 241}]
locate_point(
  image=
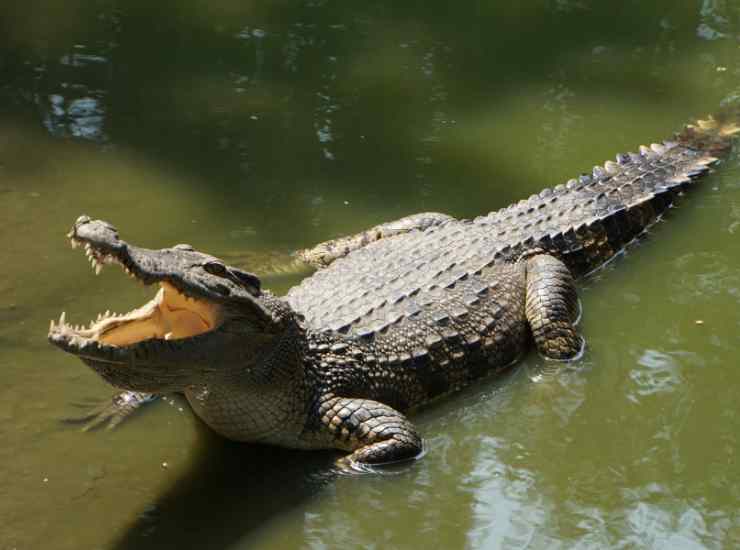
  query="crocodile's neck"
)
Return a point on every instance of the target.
[{"x": 264, "y": 396}]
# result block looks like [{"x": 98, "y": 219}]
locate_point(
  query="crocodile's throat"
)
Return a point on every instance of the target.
[{"x": 170, "y": 315}]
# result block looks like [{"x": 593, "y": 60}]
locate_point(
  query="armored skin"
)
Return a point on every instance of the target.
[{"x": 393, "y": 317}]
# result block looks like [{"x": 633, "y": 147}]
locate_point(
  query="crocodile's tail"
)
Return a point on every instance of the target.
[
  {"x": 713, "y": 135},
  {"x": 590, "y": 219},
  {"x": 647, "y": 184}
]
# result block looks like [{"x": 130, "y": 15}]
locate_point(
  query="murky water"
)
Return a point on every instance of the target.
[{"x": 250, "y": 129}]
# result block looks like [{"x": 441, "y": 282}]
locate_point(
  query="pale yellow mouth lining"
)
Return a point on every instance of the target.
[{"x": 170, "y": 315}]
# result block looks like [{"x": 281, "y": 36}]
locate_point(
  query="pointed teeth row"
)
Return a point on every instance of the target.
[
  {"x": 96, "y": 260},
  {"x": 61, "y": 324}
]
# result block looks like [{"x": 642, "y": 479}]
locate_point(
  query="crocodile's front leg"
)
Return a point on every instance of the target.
[
  {"x": 111, "y": 413},
  {"x": 552, "y": 308},
  {"x": 374, "y": 433}
]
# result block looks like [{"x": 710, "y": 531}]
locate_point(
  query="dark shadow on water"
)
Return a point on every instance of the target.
[{"x": 232, "y": 490}]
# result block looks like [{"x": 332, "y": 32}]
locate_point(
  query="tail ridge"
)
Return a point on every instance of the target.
[{"x": 714, "y": 134}]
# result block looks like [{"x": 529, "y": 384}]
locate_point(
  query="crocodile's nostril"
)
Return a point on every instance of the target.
[{"x": 83, "y": 219}]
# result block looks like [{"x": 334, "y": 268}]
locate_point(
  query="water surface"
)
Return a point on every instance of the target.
[{"x": 250, "y": 129}]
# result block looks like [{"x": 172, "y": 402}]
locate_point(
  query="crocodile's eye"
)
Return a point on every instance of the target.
[
  {"x": 247, "y": 279},
  {"x": 216, "y": 268}
]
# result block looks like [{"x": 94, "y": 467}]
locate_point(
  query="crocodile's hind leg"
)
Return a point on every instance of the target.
[
  {"x": 325, "y": 253},
  {"x": 374, "y": 432},
  {"x": 111, "y": 413},
  {"x": 552, "y": 308}
]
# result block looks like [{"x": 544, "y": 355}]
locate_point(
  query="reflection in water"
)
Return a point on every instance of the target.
[
  {"x": 714, "y": 20},
  {"x": 710, "y": 275},
  {"x": 79, "y": 118},
  {"x": 509, "y": 511},
  {"x": 662, "y": 374},
  {"x": 71, "y": 88},
  {"x": 324, "y": 113}
]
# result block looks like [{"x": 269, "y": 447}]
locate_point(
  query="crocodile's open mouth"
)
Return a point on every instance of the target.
[{"x": 170, "y": 315}]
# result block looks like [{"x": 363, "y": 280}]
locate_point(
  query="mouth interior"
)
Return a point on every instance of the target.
[{"x": 170, "y": 315}]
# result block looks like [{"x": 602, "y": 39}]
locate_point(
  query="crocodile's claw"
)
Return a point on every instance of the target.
[{"x": 110, "y": 414}]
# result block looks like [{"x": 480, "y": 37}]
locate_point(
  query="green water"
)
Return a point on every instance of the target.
[{"x": 256, "y": 128}]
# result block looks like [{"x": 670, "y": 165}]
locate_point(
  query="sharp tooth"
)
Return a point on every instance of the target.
[
  {"x": 87, "y": 247},
  {"x": 51, "y": 325},
  {"x": 62, "y": 317},
  {"x": 107, "y": 313},
  {"x": 168, "y": 336},
  {"x": 98, "y": 269},
  {"x": 73, "y": 243}
]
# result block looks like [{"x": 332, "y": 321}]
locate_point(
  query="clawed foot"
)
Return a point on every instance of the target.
[
  {"x": 111, "y": 413},
  {"x": 347, "y": 465}
]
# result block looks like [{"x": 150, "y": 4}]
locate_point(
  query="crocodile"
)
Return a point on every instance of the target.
[{"x": 391, "y": 319}]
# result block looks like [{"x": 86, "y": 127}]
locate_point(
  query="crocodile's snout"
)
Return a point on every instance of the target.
[{"x": 98, "y": 233}]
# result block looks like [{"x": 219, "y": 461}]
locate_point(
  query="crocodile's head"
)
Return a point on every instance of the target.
[{"x": 205, "y": 318}]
